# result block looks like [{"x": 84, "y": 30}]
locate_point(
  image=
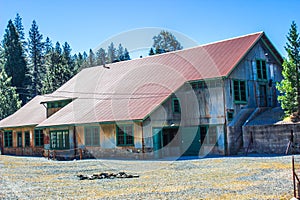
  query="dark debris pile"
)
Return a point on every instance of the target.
[{"x": 106, "y": 176}]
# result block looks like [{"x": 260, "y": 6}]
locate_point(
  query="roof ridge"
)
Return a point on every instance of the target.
[
  {"x": 206, "y": 44},
  {"x": 181, "y": 50},
  {"x": 233, "y": 38}
]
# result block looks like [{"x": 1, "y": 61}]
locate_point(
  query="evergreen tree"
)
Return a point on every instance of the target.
[
  {"x": 47, "y": 46},
  {"x": 126, "y": 54},
  {"x": 84, "y": 55},
  {"x": 2, "y": 58},
  {"x": 78, "y": 62},
  {"x": 9, "y": 99},
  {"x": 92, "y": 59},
  {"x": 35, "y": 46},
  {"x": 15, "y": 65},
  {"x": 111, "y": 53},
  {"x": 165, "y": 41},
  {"x": 100, "y": 55},
  {"x": 289, "y": 86},
  {"x": 68, "y": 60},
  {"x": 120, "y": 53},
  {"x": 57, "y": 72},
  {"x": 151, "y": 52},
  {"x": 20, "y": 29}
]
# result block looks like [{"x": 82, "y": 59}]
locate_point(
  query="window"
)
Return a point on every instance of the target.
[
  {"x": 58, "y": 104},
  {"x": 170, "y": 137},
  {"x": 92, "y": 136},
  {"x": 19, "y": 139},
  {"x": 176, "y": 105},
  {"x": 230, "y": 115},
  {"x": 27, "y": 139},
  {"x": 38, "y": 138},
  {"x": 59, "y": 139},
  {"x": 208, "y": 135},
  {"x": 125, "y": 135},
  {"x": 261, "y": 69},
  {"x": 239, "y": 91},
  {"x": 199, "y": 85},
  {"x": 212, "y": 135},
  {"x": 8, "y": 139}
]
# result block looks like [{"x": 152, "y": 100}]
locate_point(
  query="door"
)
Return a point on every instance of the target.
[
  {"x": 263, "y": 96},
  {"x": 157, "y": 142},
  {"x": 191, "y": 141}
]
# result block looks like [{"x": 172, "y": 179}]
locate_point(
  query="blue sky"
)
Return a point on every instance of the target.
[{"x": 87, "y": 24}]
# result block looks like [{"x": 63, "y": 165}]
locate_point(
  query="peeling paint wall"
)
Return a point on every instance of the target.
[{"x": 247, "y": 70}]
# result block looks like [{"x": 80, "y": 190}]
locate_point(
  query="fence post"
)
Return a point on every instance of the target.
[
  {"x": 48, "y": 154},
  {"x": 294, "y": 181},
  {"x": 80, "y": 154},
  {"x": 54, "y": 154}
]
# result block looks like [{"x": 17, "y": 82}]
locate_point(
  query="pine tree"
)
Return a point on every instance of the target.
[
  {"x": 289, "y": 86},
  {"x": 92, "y": 59},
  {"x": 100, "y": 56},
  {"x": 151, "y": 52},
  {"x": 9, "y": 99},
  {"x": 120, "y": 53},
  {"x": 57, "y": 72},
  {"x": 15, "y": 65},
  {"x": 20, "y": 29},
  {"x": 47, "y": 46},
  {"x": 111, "y": 53},
  {"x": 35, "y": 46},
  {"x": 126, "y": 54},
  {"x": 68, "y": 60}
]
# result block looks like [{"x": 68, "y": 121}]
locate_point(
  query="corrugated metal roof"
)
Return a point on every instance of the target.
[
  {"x": 32, "y": 113},
  {"x": 130, "y": 90}
]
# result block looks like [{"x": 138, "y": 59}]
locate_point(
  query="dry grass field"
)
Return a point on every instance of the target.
[{"x": 207, "y": 178}]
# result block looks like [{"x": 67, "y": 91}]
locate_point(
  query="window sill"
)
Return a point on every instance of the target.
[{"x": 240, "y": 102}]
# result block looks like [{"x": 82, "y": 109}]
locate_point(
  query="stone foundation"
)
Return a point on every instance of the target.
[{"x": 271, "y": 139}]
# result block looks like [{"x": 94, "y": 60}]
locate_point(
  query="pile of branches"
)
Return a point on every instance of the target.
[{"x": 106, "y": 176}]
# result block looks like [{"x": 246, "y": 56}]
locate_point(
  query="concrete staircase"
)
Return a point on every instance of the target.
[{"x": 268, "y": 116}]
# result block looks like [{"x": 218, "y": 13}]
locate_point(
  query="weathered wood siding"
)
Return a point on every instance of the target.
[
  {"x": 247, "y": 70},
  {"x": 30, "y": 150}
]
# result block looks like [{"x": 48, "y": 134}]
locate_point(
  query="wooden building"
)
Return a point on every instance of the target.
[{"x": 188, "y": 102}]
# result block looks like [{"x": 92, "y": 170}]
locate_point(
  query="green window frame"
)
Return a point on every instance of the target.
[
  {"x": 59, "y": 139},
  {"x": 240, "y": 91},
  {"x": 19, "y": 139},
  {"x": 199, "y": 85},
  {"x": 92, "y": 136},
  {"x": 261, "y": 67},
  {"x": 58, "y": 104},
  {"x": 8, "y": 138},
  {"x": 176, "y": 105},
  {"x": 38, "y": 138},
  {"x": 27, "y": 138},
  {"x": 125, "y": 135}
]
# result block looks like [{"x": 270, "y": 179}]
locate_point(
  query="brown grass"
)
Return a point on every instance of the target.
[{"x": 213, "y": 178}]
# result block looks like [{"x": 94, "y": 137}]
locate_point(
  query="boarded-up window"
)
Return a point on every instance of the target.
[{"x": 92, "y": 136}]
